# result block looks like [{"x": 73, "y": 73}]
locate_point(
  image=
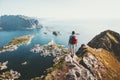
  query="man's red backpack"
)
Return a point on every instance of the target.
[{"x": 73, "y": 40}]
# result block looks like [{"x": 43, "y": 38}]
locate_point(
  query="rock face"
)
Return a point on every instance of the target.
[
  {"x": 95, "y": 61},
  {"x": 18, "y": 22}
]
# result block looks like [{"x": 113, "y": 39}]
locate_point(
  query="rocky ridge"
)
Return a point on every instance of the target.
[
  {"x": 108, "y": 40},
  {"x": 95, "y": 61}
]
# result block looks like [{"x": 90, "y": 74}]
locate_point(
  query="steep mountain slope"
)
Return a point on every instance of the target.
[
  {"x": 95, "y": 64},
  {"x": 108, "y": 40},
  {"x": 98, "y": 60}
]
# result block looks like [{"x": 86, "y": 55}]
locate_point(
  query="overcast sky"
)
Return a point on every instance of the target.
[{"x": 63, "y": 9}]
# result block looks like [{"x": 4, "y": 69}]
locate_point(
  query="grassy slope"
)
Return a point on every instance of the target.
[
  {"x": 110, "y": 61},
  {"x": 19, "y": 40},
  {"x": 111, "y": 71}
]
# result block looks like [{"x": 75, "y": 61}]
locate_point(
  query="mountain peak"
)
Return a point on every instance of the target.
[
  {"x": 91, "y": 63},
  {"x": 108, "y": 40}
]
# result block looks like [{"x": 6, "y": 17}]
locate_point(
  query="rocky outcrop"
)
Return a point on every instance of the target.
[
  {"x": 8, "y": 75},
  {"x": 95, "y": 61},
  {"x": 50, "y": 49},
  {"x": 56, "y": 33},
  {"x": 95, "y": 64},
  {"x": 3, "y": 65},
  {"x": 18, "y": 22}
]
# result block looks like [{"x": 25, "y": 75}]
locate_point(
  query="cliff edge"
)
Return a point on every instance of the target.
[{"x": 98, "y": 60}]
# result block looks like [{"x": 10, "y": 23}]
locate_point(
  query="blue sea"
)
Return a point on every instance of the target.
[{"x": 37, "y": 65}]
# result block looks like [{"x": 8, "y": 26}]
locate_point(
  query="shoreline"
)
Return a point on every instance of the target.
[
  {"x": 50, "y": 49},
  {"x": 15, "y": 43}
]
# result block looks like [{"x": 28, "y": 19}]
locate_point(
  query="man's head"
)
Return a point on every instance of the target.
[{"x": 73, "y": 32}]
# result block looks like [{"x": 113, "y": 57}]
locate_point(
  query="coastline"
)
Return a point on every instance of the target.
[
  {"x": 50, "y": 49},
  {"x": 15, "y": 43}
]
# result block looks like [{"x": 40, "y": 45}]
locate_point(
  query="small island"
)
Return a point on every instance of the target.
[
  {"x": 8, "y": 75},
  {"x": 15, "y": 43},
  {"x": 56, "y": 33}
]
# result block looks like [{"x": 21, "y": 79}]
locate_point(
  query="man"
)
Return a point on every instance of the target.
[{"x": 72, "y": 43}]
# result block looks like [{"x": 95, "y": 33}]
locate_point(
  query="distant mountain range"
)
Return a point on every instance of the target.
[
  {"x": 18, "y": 22},
  {"x": 97, "y": 60}
]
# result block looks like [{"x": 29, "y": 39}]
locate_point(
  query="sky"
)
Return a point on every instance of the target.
[{"x": 62, "y": 9}]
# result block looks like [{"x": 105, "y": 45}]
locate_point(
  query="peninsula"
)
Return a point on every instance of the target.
[{"x": 15, "y": 43}]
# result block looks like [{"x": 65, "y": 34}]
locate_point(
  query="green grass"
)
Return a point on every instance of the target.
[{"x": 18, "y": 40}]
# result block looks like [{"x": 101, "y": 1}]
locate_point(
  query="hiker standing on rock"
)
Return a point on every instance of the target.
[{"x": 72, "y": 43}]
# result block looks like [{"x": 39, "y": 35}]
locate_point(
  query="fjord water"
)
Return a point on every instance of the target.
[{"x": 36, "y": 64}]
